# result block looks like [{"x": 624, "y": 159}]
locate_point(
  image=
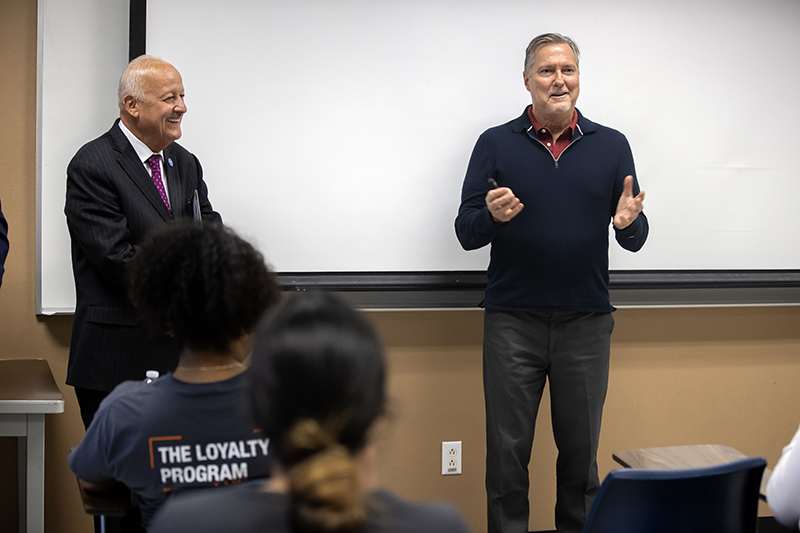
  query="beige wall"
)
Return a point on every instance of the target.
[{"x": 678, "y": 376}]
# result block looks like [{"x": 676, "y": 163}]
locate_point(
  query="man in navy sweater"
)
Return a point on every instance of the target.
[{"x": 542, "y": 190}]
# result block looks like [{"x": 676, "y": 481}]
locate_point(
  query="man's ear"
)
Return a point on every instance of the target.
[{"x": 130, "y": 105}]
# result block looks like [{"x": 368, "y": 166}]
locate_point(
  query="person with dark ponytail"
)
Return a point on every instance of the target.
[
  {"x": 208, "y": 288},
  {"x": 317, "y": 387}
]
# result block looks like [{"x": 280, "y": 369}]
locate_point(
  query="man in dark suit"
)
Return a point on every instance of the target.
[{"x": 120, "y": 186}]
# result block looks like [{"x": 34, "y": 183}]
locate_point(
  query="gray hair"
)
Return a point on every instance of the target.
[
  {"x": 131, "y": 81},
  {"x": 545, "y": 39}
]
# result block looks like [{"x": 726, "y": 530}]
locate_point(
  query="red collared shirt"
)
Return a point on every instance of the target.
[{"x": 544, "y": 135}]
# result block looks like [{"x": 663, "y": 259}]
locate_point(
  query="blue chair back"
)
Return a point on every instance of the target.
[{"x": 715, "y": 499}]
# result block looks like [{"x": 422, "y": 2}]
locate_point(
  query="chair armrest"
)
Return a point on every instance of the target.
[{"x": 114, "y": 500}]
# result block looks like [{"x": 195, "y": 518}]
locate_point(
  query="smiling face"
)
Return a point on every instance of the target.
[
  {"x": 156, "y": 118},
  {"x": 553, "y": 81}
]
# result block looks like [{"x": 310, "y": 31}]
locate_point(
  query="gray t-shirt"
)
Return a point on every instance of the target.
[{"x": 169, "y": 435}]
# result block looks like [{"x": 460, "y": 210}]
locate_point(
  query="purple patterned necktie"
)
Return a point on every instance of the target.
[{"x": 159, "y": 183}]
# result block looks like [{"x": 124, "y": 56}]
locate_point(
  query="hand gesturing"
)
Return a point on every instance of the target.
[{"x": 629, "y": 206}]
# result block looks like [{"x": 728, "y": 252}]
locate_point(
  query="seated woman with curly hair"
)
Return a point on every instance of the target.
[
  {"x": 208, "y": 288},
  {"x": 316, "y": 386}
]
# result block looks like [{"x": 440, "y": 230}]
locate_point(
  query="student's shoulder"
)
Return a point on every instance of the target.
[
  {"x": 133, "y": 397},
  {"x": 128, "y": 389},
  {"x": 243, "y": 508},
  {"x": 411, "y": 517}
]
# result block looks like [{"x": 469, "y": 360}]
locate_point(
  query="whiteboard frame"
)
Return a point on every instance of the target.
[{"x": 453, "y": 289}]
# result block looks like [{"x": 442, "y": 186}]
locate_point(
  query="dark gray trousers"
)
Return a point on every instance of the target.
[{"x": 520, "y": 351}]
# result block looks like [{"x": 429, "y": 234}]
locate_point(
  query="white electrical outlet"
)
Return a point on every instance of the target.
[{"x": 451, "y": 458}]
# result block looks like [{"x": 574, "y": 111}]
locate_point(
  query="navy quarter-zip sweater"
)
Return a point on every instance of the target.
[{"x": 553, "y": 256}]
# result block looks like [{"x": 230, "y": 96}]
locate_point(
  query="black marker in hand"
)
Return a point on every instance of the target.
[{"x": 503, "y": 205}]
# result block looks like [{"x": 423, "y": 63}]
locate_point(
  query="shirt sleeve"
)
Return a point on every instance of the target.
[
  {"x": 206, "y": 211},
  {"x": 89, "y": 460},
  {"x": 97, "y": 458},
  {"x": 783, "y": 488},
  {"x": 474, "y": 225},
  {"x": 3, "y": 244},
  {"x": 96, "y": 218},
  {"x": 634, "y": 236}
]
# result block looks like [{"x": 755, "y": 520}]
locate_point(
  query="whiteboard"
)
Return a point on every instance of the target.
[
  {"x": 82, "y": 50},
  {"x": 335, "y": 135}
]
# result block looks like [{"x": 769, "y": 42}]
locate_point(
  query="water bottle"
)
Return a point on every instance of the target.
[{"x": 151, "y": 376}]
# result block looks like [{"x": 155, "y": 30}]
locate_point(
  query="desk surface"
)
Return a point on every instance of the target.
[
  {"x": 27, "y": 386},
  {"x": 679, "y": 457}
]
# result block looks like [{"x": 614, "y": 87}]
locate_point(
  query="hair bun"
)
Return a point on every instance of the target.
[
  {"x": 329, "y": 476},
  {"x": 324, "y": 487},
  {"x": 306, "y": 438}
]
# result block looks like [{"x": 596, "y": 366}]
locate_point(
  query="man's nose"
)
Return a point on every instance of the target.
[{"x": 180, "y": 107}]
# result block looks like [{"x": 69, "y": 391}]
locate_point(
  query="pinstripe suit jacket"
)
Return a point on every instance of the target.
[{"x": 111, "y": 206}]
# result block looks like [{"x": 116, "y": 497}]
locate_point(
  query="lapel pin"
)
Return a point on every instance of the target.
[{"x": 169, "y": 160}]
